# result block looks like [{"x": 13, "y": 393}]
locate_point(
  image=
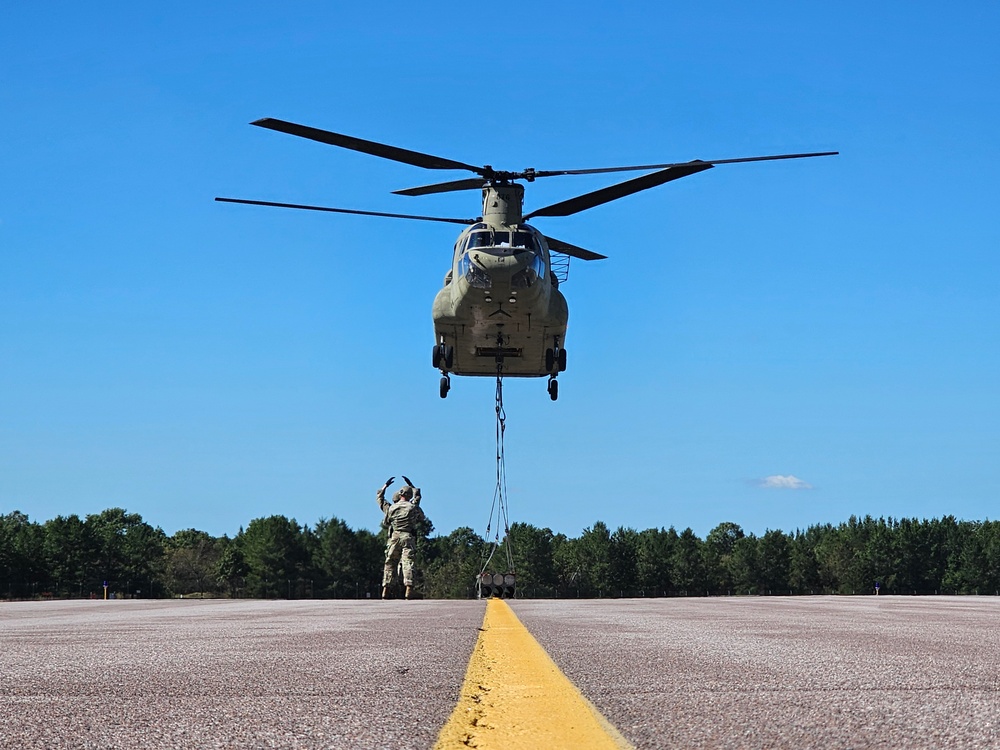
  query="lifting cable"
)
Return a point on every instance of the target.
[{"x": 499, "y": 507}]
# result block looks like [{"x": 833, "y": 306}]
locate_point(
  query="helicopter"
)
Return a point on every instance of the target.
[{"x": 501, "y": 312}]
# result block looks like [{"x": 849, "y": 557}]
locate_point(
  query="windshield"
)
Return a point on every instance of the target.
[
  {"x": 525, "y": 240},
  {"x": 480, "y": 239},
  {"x": 502, "y": 238}
]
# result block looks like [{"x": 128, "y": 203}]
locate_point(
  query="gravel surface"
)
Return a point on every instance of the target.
[
  {"x": 803, "y": 672},
  {"x": 231, "y": 674},
  {"x": 816, "y": 672}
]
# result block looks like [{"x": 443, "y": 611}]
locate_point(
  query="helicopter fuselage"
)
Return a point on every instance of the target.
[{"x": 500, "y": 306}]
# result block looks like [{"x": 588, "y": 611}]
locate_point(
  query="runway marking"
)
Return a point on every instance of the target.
[{"x": 514, "y": 696}]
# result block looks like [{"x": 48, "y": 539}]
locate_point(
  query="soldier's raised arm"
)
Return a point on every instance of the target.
[
  {"x": 380, "y": 495},
  {"x": 416, "y": 490}
]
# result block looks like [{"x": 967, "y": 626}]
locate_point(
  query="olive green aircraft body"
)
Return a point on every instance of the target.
[{"x": 500, "y": 312}]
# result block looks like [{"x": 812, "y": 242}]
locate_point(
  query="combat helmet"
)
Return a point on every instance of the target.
[{"x": 403, "y": 493}]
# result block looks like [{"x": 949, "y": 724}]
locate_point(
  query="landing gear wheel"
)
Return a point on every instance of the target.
[
  {"x": 445, "y": 386},
  {"x": 550, "y": 360},
  {"x": 553, "y": 389},
  {"x": 443, "y": 357},
  {"x": 562, "y": 360}
]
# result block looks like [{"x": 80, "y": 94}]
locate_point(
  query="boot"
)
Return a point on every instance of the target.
[
  {"x": 409, "y": 592},
  {"x": 385, "y": 592}
]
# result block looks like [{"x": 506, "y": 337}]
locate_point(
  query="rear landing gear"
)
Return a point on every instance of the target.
[
  {"x": 555, "y": 360},
  {"x": 443, "y": 357},
  {"x": 555, "y": 363}
]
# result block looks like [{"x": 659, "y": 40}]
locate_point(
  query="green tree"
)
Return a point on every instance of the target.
[
  {"x": 452, "y": 564},
  {"x": 688, "y": 565},
  {"x": 584, "y": 564},
  {"x": 21, "y": 556},
  {"x": 803, "y": 568},
  {"x": 654, "y": 566},
  {"x": 945, "y": 537},
  {"x": 371, "y": 557},
  {"x": 129, "y": 550},
  {"x": 834, "y": 556},
  {"x": 337, "y": 559},
  {"x": 624, "y": 560},
  {"x": 909, "y": 551},
  {"x": 70, "y": 553},
  {"x": 533, "y": 552},
  {"x": 775, "y": 557},
  {"x": 744, "y": 565},
  {"x": 570, "y": 570},
  {"x": 191, "y": 562},
  {"x": 232, "y": 569},
  {"x": 990, "y": 574},
  {"x": 275, "y": 555},
  {"x": 966, "y": 564},
  {"x": 718, "y": 551}
]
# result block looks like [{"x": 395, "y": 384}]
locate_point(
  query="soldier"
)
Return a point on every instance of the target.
[{"x": 402, "y": 519}]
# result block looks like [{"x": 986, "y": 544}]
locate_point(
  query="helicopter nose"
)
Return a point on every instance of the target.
[{"x": 502, "y": 265}]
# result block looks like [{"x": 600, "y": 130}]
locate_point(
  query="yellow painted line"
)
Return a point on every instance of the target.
[{"x": 514, "y": 696}]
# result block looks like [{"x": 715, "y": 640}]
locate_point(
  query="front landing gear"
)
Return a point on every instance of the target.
[
  {"x": 445, "y": 385},
  {"x": 553, "y": 388}
]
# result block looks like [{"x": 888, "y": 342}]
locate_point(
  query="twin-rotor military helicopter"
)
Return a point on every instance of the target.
[{"x": 501, "y": 312}]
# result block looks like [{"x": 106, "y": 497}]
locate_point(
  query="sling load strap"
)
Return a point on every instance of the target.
[{"x": 499, "y": 507}]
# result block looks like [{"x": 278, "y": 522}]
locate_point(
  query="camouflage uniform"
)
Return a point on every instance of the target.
[{"x": 402, "y": 517}]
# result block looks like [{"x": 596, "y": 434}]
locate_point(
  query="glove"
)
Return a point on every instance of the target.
[
  {"x": 388, "y": 481},
  {"x": 407, "y": 480}
]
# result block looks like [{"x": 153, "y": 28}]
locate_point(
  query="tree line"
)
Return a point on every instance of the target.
[{"x": 276, "y": 557}]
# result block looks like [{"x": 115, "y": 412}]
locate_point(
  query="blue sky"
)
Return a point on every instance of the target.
[{"x": 775, "y": 344}]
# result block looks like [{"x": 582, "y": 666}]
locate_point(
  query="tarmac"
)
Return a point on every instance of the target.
[{"x": 740, "y": 672}]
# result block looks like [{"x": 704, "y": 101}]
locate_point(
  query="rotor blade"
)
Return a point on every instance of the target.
[
  {"x": 614, "y": 192},
  {"x": 567, "y": 249},
  {"x": 603, "y": 170},
  {"x": 368, "y": 147},
  {"x": 471, "y": 183},
  {"x": 346, "y": 211}
]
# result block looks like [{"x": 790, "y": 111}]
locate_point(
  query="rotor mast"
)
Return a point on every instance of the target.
[{"x": 503, "y": 204}]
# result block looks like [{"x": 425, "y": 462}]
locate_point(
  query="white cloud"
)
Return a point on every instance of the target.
[{"x": 781, "y": 482}]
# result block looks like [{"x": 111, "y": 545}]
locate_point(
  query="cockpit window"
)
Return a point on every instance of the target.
[
  {"x": 480, "y": 239},
  {"x": 525, "y": 240},
  {"x": 502, "y": 238},
  {"x": 476, "y": 276}
]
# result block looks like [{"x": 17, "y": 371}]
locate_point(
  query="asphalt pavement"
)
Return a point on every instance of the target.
[
  {"x": 231, "y": 674},
  {"x": 777, "y": 672},
  {"x": 818, "y": 672}
]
